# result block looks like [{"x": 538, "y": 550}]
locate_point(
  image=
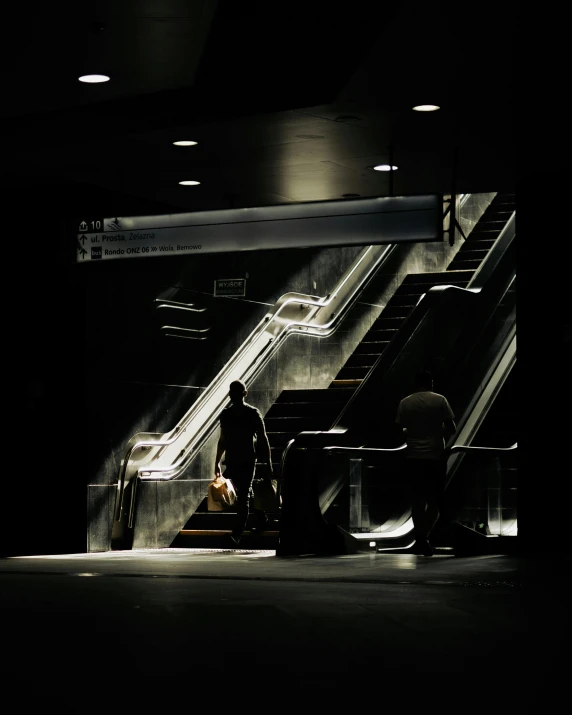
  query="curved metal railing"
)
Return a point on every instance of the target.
[{"x": 165, "y": 456}]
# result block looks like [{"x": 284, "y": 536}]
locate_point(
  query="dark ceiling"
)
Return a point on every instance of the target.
[{"x": 288, "y": 102}]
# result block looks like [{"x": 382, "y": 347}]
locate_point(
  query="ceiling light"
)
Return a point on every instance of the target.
[
  {"x": 184, "y": 143},
  {"x": 426, "y": 108},
  {"x": 189, "y": 183},
  {"x": 94, "y": 78},
  {"x": 384, "y": 167}
]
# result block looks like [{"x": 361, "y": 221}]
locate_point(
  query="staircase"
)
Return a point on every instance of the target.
[
  {"x": 302, "y": 410},
  {"x": 314, "y": 410},
  {"x": 211, "y": 530}
]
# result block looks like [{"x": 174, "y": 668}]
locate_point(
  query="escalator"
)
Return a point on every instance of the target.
[
  {"x": 455, "y": 333},
  {"x": 296, "y": 411},
  {"x": 480, "y": 478}
]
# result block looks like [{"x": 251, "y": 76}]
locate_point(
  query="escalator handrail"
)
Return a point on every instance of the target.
[
  {"x": 361, "y": 452},
  {"x": 481, "y": 450}
]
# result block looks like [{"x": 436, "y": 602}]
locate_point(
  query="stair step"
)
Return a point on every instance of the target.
[
  {"x": 339, "y": 384},
  {"x": 384, "y": 321},
  {"x": 433, "y": 277},
  {"x": 352, "y": 373},
  {"x": 381, "y": 335},
  {"x": 295, "y": 409},
  {"x": 217, "y": 532},
  {"x": 502, "y": 202},
  {"x": 220, "y": 539},
  {"x": 217, "y": 520},
  {"x": 299, "y": 423},
  {"x": 474, "y": 251},
  {"x": 468, "y": 263},
  {"x": 478, "y": 242},
  {"x": 370, "y": 347},
  {"x": 492, "y": 222},
  {"x": 402, "y": 301},
  {"x": 483, "y": 233},
  {"x": 501, "y": 212},
  {"x": 314, "y": 395},
  {"x": 396, "y": 311},
  {"x": 362, "y": 359}
]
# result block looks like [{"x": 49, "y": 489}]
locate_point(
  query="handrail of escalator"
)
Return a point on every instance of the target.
[
  {"x": 481, "y": 450},
  {"x": 364, "y": 451},
  {"x": 335, "y": 448}
]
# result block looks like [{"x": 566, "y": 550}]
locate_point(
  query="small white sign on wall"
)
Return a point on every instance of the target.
[{"x": 230, "y": 286}]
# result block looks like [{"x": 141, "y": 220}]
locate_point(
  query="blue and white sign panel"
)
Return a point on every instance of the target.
[{"x": 405, "y": 219}]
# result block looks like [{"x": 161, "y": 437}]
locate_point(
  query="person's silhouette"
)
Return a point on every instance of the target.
[
  {"x": 426, "y": 419},
  {"x": 242, "y": 440}
]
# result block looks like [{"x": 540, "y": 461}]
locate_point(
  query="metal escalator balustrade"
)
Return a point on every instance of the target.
[{"x": 482, "y": 288}]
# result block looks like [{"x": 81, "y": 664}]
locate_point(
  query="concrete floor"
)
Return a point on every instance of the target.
[{"x": 345, "y": 627}]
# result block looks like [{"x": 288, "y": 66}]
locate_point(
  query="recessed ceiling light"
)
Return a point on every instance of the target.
[
  {"x": 384, "y": 167},
  {"x": 184, "y": 143},
  {"x": 189, "y": 183},
  {"x": 426, "y": 108},
  {"x": 94, "y": 78}
]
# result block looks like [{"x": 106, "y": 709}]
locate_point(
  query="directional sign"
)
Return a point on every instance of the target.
[
  {"x": 405, "y": 219},
  {"x": 230, "y": 286}
]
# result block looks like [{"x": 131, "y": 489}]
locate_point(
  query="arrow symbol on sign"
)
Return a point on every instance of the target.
[
  {"x": 83, "y": 239},
  {"x": 81, "y": 249}
]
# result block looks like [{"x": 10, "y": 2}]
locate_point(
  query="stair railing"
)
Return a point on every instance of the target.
[{"x": 165, "y": 456}]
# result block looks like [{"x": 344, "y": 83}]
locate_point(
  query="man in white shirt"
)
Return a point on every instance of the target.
[{"x": 426, "y": 419}]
